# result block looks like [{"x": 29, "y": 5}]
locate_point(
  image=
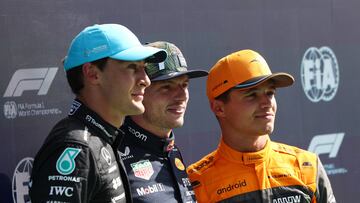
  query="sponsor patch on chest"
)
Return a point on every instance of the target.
[{"x": 142, "y": 169}]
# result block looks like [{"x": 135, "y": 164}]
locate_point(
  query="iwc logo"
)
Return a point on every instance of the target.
[
  {"x": 21, "y": 180},
  {"x": 319, "y": 74}
]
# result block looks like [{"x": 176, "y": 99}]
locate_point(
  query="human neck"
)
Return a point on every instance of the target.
[
  {"x": 103, "y": 109},
  {"x": 245, "y": 143},
  {"x": 157, "y": 131}
]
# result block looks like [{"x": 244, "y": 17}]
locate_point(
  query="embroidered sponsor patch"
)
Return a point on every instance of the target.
[
  {"x": 142, "y": 169},
  {"x": 106, "y": 155},
  {"x": 65, "y": 165},
  {"x": 179, "y": 164}
]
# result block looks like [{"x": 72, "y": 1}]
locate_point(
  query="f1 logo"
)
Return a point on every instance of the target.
[
  {"x": 31, "y": 79},
  {"x": 326, "y": 144}
]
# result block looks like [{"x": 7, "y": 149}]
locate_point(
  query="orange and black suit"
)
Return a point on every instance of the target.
[{"x": 278, "y": 173}]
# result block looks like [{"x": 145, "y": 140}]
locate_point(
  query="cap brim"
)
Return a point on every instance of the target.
[
  {"x": 280, "y": 80},
  {"x": 190, "y": 73},
  {"x": 139, "y": 53}
]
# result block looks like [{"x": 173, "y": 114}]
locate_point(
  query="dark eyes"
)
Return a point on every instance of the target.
[
  {"x": 165, "y": 87},
  {"x": 271, "y": 93},
  {"x": 132, "y": 66},
  {"x": 253, "y": 94}
]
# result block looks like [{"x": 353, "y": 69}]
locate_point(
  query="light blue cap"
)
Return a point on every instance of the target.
[{"x": 109, "y": 40}]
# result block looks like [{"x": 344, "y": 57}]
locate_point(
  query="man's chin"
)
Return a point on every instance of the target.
[
  {"x": 268, "y": 131},
  {"x": 177, "y": 123},
  {"x": 137, "y": 109},
  {"x": 265, "y": 130}
]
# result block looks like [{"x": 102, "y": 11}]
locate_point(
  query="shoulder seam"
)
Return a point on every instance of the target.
[{"x": 203, "y": 163}]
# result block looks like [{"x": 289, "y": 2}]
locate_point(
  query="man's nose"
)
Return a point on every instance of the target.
[
  {"x": 144, "y": 79},
  {"x": 265, "y": 100},
  {"x": 182, "y": 93}
]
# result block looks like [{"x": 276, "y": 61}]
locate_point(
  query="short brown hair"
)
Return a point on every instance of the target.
[{"x": 75, "y": 76}]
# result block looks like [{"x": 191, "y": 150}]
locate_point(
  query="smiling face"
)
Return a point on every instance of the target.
[
  {"x": 165, "y": 104},
  {"x": 249, "y": 112}
]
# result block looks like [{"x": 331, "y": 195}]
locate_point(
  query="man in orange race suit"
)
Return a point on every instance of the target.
[{"x": 247, "y": 166}]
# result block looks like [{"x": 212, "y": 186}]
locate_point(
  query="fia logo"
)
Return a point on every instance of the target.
[
  {"x": 21, "y": 180},
  {"x": 31, "y": 79},
  {"x": 10, "y": 110},
  {"x": 65, "y": 165},
  {"x": 319, "y": 74}
]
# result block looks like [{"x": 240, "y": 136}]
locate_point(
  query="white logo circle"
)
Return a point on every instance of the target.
[
  {"x": 106, "y": 155},
  {"x": 21, "y": 180},
  {"x": 319, "y": 74},
  {"x": 10, "y": 110}
]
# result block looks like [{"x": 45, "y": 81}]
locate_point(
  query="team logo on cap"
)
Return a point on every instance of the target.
[
  {"x": 320, "y": 74},
  {"x": 161, "y": 66},
  {"x": 219, "y": 85},
  {"x": 179, "y": 164},
  {"x": 143, "y": 169}
]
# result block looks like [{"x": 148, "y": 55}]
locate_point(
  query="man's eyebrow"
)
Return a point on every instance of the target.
[
  {"x": 253, "y": 89},
  {"x": 133, "y": 64},
  {"x": 170, "y": 82},
  {"x": 163, "y": 82}
]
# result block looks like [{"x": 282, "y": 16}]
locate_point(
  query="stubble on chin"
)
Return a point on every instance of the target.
[{"x": 136, "y": 109}]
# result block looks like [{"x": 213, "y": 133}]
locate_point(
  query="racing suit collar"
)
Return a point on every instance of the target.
[
  {"x": 143, "y": 138},
  {"x": 80, "y": 111},
  {"x": 244, "y": 157}
]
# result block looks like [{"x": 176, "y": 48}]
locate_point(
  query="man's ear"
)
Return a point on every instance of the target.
[
  {"x": 217, "y": 106},
  {"x": 90, "y": 73}
]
